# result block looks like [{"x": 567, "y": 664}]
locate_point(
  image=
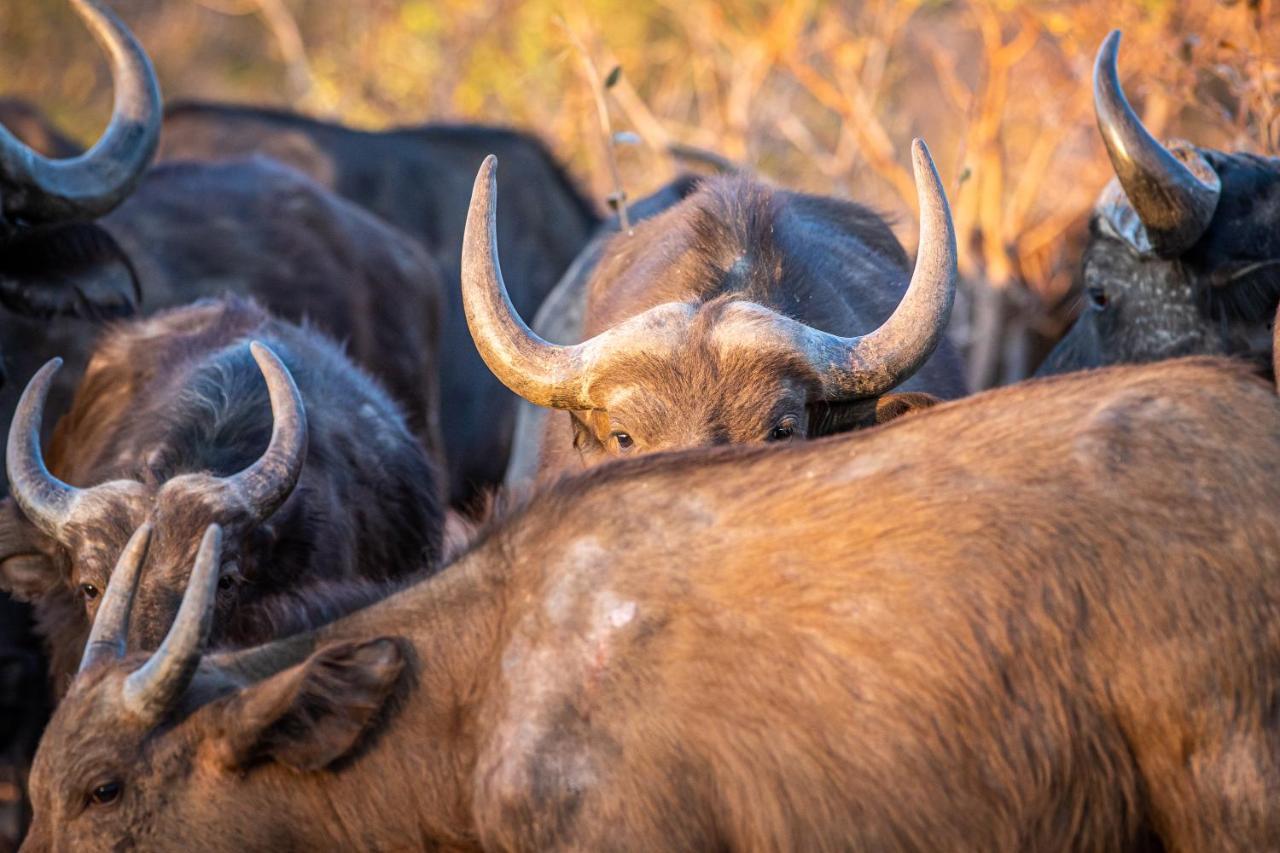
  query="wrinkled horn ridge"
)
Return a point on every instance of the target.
[
  {"x": 267, "y": 483},
  {"x": 152, "y": 689},
  {"x": 45, "y": 500},
  {"x": 543, "y": 373},
  {"x": 110, "y": 631},
  {"x": 38, "y": 189},
  {"x": 1174, "y": 204}
]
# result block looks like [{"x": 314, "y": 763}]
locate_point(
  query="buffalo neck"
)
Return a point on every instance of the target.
[{"x": 409, "y": 782}]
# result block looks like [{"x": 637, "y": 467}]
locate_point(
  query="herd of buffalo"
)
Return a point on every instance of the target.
[{"x": 286, "y": 566}]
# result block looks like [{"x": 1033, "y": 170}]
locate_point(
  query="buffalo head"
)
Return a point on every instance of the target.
[
  {"x": 727, "y": 370},
  {"x": 1184, "y": 254},
  {"x": 53, "y": 259},
  {"x": 85, "y": 529},
  {"x": 119, "y": 768}
]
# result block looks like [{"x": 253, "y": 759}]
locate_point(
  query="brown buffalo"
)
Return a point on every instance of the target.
[
  {"x": 174, "y": 428},
  {"x": 1040, "y": 618},
  {"x": 740, "y": 314}
]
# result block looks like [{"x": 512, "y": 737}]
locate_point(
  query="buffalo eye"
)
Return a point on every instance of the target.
[
  {"x": 1097, "y": 297},
  {"x": 624, "y": 441},
  {"x": 230, "y": 576},
  {"x": 105, "y": 794},
  {"x": 89, "y": 591},
  {"x": 783, "y": 431}
]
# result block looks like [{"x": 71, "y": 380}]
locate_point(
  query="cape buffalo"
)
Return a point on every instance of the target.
[
  {"x": 171, "y": 429},
  {"x": 561, "y": 317},
  {"x": 419, "y": 179},
  {"x": 1184, "y": 252},
  {"x": 184, "y": 231},
  {"x": 740, "y": 314},
  {"x": 1023, "y": 642}
]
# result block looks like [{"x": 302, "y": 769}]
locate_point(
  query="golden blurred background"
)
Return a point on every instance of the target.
[{"x": 815, "y": 95}]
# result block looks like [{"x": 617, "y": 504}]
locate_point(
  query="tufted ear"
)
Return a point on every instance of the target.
[
  {"x": 310, "y": 715},
  {"x": 26, "y": 570},
  {"x": 890, "y": 407},
  {"x": 829, "y": 418},
  {"x": 72, "y": 270}
]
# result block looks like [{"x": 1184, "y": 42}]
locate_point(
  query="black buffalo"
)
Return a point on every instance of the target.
[
  {"x": 102, "y": 237},
  {"x": 1184, "y": 249},
  {"x": 313, "y": 473},
  {"x": 419, "y": 179}
]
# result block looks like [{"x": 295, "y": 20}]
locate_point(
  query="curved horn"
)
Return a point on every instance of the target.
[
  {"x": 44, "y": 499},
  {"x": 267, "y": 483},
  {"x": 1175, "y": 205},
  {"x": 111, "y": 625},
  {"x": 152, "y": 689},
  {"x": 43, "y": 190},
  {"x": 869, "y": 365},
  {"x": 543, "y": 373}
]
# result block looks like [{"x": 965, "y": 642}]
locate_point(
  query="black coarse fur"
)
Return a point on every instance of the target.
[
  {"x": 25, "y": 703},
  {"x": 420, "y": 179},
  {"x": 181, "y": 394},
  {"x": 249, "y": 227}
]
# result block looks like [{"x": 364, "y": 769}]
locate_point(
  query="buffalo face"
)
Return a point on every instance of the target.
[
  {"x": 722, "y": 371},
  {"x": 83, "y": 531},
  {"x": 1184, "y": 253},
  {"x": 117, "y": 768}
]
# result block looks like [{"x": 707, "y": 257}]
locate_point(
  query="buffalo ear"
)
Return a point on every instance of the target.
[
  {"x": 312, "y": 714},
  {"x": 890, "y": 407},
  {"x": 27, "y": 571},
  {"x": 71, "y": 270},
  {"x": 829, "y": 418}
]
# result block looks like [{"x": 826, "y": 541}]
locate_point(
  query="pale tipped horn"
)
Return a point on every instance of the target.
[
  {"x": 1174, "y": 204},
  {"x": 543, "y": 373},
  {"x": 871, "y": 364},
  {"x": 37, "y": 189},
  {"x": 107, "y": 640},
  {"x": 154, "y": 688},
  {"x": 44, "y": 499},
  {"x": 267, "y": 483}
]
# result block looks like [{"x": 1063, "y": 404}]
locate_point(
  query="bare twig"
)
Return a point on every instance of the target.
[{"x": 619, "y": 196}]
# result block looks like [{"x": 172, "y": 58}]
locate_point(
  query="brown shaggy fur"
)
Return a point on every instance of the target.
[{"x": 1040, "y": 618}]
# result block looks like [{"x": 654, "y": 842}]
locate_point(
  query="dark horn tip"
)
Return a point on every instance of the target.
[{"x": 1108, "y": 56}]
